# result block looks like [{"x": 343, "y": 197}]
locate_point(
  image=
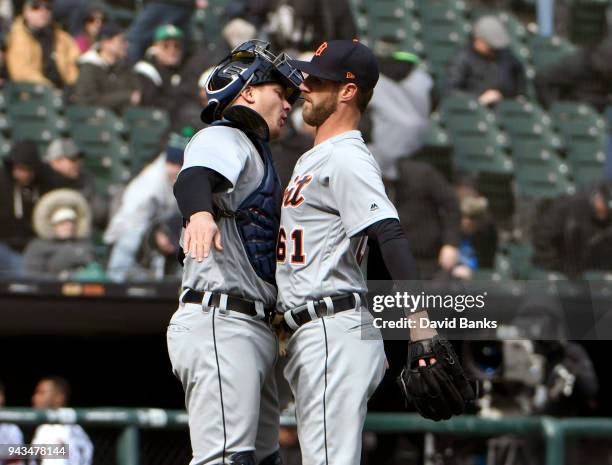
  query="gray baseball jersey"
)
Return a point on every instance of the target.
[
  {"x": 336, "y": 191},
  {"x": 229, "y": 152},
  {"x": 223, "y": 358}
]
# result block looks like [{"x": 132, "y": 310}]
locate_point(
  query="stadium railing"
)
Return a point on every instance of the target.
[{"x": 131, "y": 421}]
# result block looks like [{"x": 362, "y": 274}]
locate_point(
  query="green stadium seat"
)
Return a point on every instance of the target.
[
  {"x": 539, "y": 156},
  {"x": 462, "y": 110},
  {"x": 97, "y": 132},
  {"x": 147, "y": 127},
  {"x": 441, "y": 11},
  {"x": 586, "y": 157},
  {"x": 100, "y": 117},
  {"x": 561, "y": 111},
  {"x": 587, "y": 175},
  {"x": 34, "y": 121},
  {"x": 478, "y": 155},
  {"x": 524, "y": 129},
  {"x": 521, "y": 109},
  {"x": 586, "y": 150},
  {"x": 98, "y": 141},
  {"x": 453, "y": 34},
  {"x": 548, "y": 50},
  {"x": 520, "y": 255},
  {"x": 387, "y": 9},
  {"x": 542, "y": 182},
  {"x": 538, "y": 274},
  {"x": 394, "y": 23},
  {"x": 502, "y": 270},
  {"x": 436, "y": 149},
  {"x": 19, "y": 92},
  {"x": 436, "y": 136},
  {"x": 597, "y": 275}
]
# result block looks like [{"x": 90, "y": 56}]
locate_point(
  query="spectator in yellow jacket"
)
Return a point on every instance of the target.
[{"x": 40, "y": 51}]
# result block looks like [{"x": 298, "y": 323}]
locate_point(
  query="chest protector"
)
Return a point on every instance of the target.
[{"x": 258, "y": 216}]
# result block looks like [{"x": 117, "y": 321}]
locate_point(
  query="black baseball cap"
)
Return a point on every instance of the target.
[
  {"x": 110, "y": 30},
  {"x": 342, "y": 61}
]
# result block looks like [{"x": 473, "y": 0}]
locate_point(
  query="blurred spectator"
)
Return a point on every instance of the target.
[
  {"x": 62, "y": 221},
  {"x": 304, "y": 24},
  {"x": 39, "y": 51},
  {"x": 253, "y": 12},
  {"x": 105, "y": 79},
  {"x": 72, "y": 13},
  {"x": 91, "y": 25},
  {"x": 22, "y": 181},
  {"x": 429, "y": 212},
  {"x": 487, "y": 67},
  {"x": 53, "y": 392},
  {"x": 65, "y": 160},
  {"x": 399, "y": 110},
  {"x": 478, "y": 238},
  {"x": 296, "y": 138},
  {"x": 9, "y": 432},
  {"x": 160, "y": 74},
  {"x": 154, "y": 14},
  {"x": 6, "y": 13},
  {"x": 571, "y": 381},
  {"x": 584, "y": 76},
  {"x": 573, "y": 233},
  {"x": 4, "y": 76},
  {"x": 160, "y": 249},
  {"x": 238, "y": 31},
  {"x": 147, "y": 199}
]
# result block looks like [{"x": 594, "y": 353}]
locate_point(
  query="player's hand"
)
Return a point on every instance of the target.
[
  {"x": 448, "y": 257},
  {"x": 200, "y": 234},
  {"x": 490, "y": 96}
]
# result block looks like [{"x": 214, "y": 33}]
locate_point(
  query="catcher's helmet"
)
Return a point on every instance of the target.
[{"x": 248, "y": 64}]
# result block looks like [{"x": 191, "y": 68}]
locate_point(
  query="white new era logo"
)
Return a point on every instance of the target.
[{"x": 373, "y": 207}]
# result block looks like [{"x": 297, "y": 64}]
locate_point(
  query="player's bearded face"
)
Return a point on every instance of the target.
[{"x": 315, "y": 112}]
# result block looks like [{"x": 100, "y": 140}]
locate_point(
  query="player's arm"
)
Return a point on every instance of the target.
[
  {"x": 214, "y": 159},
  {"x": 401, "y": 264},
  {"x": 193, "y": 191}
]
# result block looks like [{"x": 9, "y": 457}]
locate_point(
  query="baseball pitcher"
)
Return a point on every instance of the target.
[{"x": 335, "y": 199}]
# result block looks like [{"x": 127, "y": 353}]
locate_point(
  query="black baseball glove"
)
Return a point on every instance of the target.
[{"x": 439, "y": 390}]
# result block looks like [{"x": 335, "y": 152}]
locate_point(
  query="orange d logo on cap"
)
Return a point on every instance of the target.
[
  {"x": 321, "y": 49},
  {"x": 350, "y": 75}
]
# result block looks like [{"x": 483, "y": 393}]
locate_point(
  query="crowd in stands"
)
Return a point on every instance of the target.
[
  {"x": 89, "y": 56},
  {"x": 51, "y": 392}
]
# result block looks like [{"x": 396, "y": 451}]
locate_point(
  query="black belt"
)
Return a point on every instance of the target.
[
  {"x": 236, "y": 304},
  {"x": 301, "y": 315}
]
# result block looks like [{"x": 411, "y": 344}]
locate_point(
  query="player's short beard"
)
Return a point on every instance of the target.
[{"x": 317, "y": 115}]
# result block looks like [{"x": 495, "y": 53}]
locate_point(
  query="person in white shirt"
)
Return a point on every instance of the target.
[{"x": 53, "y": 392}]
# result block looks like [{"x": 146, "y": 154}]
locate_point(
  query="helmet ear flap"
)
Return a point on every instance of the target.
[{"x": 209, "y": 112}]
